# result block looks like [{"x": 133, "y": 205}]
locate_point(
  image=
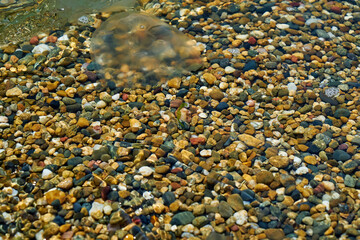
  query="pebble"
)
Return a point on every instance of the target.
[
  {"x": 279, "y": 161},
  {"x": 39, "y": 49},
  {"x": 146, "y": 171},
  {"x": 13, "y": 92},
  {"x": 83, "y": 122},
  {"x": 47, "y": 174},
  {"x": 340, "y": 155},
  {"x": 209, "y": 78},
  {"x": 182, "y": 218}
]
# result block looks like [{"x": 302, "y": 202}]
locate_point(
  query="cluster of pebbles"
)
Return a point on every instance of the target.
[{"x": 260, "y": 143}]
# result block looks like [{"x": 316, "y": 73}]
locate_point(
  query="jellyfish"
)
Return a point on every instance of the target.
[{"x": 136, "y": 49}]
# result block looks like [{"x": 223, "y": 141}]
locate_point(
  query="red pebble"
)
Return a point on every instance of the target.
[
  {"x": 97, "y": 129},
  {"x": 319, "y": 189},
  {"x": 63, "y": 139},
  {"x": 294, "y": 59},
  {"x": 51, "y": 39},
  {"x": 235, "y": 228},
  {"x": 294, "y": 4},
  {"x": 41, "y": 164},
  {"x": 176, "y": 170},
  {"x": 252, "y": 41},
  {"x": 125, "y": 96},
  {"x": 34, "y": 40},
  {"x": 197, "y": 140},
  {"x": 176, "y": 103},
  {"x": 175, "y": 185},
  {"x": 336, "y": 9},
  {"x": 136, "y": 220},
  {"x": 104, "y": 192}
]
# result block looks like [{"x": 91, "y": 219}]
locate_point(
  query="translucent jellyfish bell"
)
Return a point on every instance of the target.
[{"x": 135, "y": 50}]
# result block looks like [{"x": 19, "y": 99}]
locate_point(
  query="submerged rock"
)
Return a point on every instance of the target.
[{"x": 138, "y": 49}]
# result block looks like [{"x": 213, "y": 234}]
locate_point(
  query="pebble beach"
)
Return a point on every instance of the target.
[{"x": 261, "y": 142}]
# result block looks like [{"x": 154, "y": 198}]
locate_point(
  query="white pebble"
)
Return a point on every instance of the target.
[
  {"x": 242, "y": 36},
  {"x": 297, "y": 161},
  {"x": 282, "y": 26},
  {"x": 257, "y": 124},
  {"x": 257, "y": 34},
  {"x": 205, "y": 153},
  {"x": 292, "y": 87},
  {"x": 282, "y": 153},
  {"x": 45, "y": 119},
  {"x": 146, "y": 171},
  {"x": 329, "y": 186},
  {"x": 203, "y": 115},
  {"x": 38, "y": 49},
  {"x": 241, "y": 217},
  {"x": 313, "y": 20},
  {"x": 3, "y": 119},
  {"x": 147, "y": 195},
  {"x": 63, "y": 38},
  {"x": 116, "y": 97},
  {"x": 235, "y": 91},
  {"x": 107, "y": 210},
  {"x": 47, "y": 174},
  {"x": 229, "y": 69},
  {"x": 280, "y": 191},
  {"x": 96, "y": 207},
  {"x": 223, "y": 85},
  {"x": 39, "y": 235},
  {"x": 100, "y": 104},
  {"x": 302, "y": 170}
]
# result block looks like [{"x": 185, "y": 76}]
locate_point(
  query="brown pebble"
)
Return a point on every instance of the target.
[
  {"x": 83, "y": 122},
  {"x": 34, "y": 40},
  {"x": 274, "y": 234},
  {"x": 51, "y": 39},
  {"x": 217, "y": 94}
]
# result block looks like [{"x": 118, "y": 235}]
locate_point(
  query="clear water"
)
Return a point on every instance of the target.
[{"x": 20, "y": 19}]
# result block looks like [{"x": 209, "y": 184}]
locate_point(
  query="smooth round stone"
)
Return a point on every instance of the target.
[
  {"x": 350, "y": 166},
  {"x": 13, "y": 92},
  {"x": 225, "y": 209},
  {"x": 342, "y": 112},
  {"x": 349, "y": 181},
  {"x": 340, "y": 155},
  {"x": 74, "y": 108},
  {"x": 74, "y": 161},
  {"x": 168, "y": 198},
  {"x": 107, "y": 209},
  {"x": 274, "y": 233},
  {"x": 229, "y": 70},
  {"x": 216, "y": 236},
  {"x": 235, "y": 201},
  {"x": 250, "y": 65},
  {"x": 101, "y": 104},
  {"x": 146, "y": 171},
  {"x": 200, "y": 221},
  {"x": 182, "y": 218},
  {"x": 302, "y": 170},
  {"x": 265, "y": 177},
  {"x": 308, "y": 220},
  {"x": 217, "y": 94},
  {"x": 247, "y": 195},
  {"x": 241, "y": 217},
  {"x": 329, "y": 186}
]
